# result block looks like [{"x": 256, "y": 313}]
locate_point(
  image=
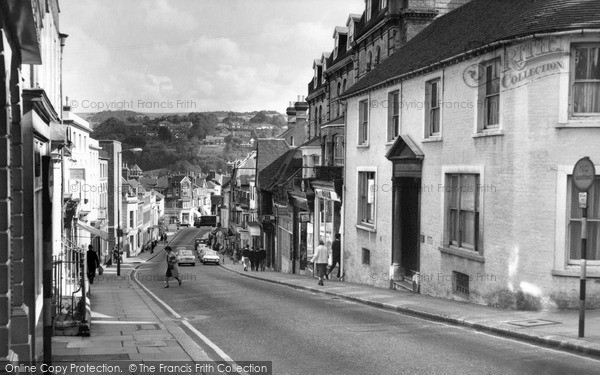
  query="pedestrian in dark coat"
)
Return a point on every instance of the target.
[
  {"x": 254, "y": 259},
  {"x": 335, "y": 256},
  {"x": 172, "y": 266},
  {"x": 92, "y": 263},
  {"x": 262, "y": 258}
]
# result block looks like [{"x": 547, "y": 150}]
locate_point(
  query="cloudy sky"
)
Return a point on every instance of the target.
[{"x": 194, "y": 55}]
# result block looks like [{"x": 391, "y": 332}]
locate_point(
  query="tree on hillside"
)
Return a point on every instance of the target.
[
  {"x": 133, "y": 119},
  {"x": 184, "y": 165},
  {"x": 278, "y": 120},
  {"x": 203, "y": 124},
  {"x": 112, "y": 128},
  {"x": 135, "y": 141},
  {"x": 232, "y": 119},
  {"x": 164, "y": 133},
  {"x": 260, "y": 117}
]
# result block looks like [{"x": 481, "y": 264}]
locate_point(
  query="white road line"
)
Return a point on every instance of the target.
[{"x": 199, "y": 334}]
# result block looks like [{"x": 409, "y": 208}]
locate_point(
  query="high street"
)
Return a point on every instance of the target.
[{"x": 302, "y": 332}]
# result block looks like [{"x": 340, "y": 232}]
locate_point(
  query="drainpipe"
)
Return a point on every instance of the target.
[{"x": 47, "y": 168}]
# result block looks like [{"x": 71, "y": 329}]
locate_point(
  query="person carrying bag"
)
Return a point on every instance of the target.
[{"x": 172, "y": 267}]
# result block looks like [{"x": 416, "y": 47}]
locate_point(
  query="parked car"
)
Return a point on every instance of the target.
[
  {"x": 200, "y": 241},
  {"x": 202, "y": 249},
  {"x": 210, "y": 256},
  {"x": 185, "y": 256}
]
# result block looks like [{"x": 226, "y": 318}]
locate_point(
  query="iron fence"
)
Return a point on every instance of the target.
[{"x": 68, "y": 278}]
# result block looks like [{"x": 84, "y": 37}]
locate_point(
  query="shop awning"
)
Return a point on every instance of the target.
[
  {"x": 254, "y": 229},
  {"x": 95, "y": 231}
]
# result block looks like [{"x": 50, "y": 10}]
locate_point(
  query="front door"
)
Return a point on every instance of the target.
[{"x": 406, "y": 224}]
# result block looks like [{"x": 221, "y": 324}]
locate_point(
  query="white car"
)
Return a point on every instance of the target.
[
  {"x": 210, "y": 256},
  {"x": 185, "y": 256},
  {"x": 202, "y": 249}
]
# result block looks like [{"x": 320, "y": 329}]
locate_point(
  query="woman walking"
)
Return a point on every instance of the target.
[
  {"x": 246, "y": 257},
  {"x": 172, "y": 267},
  {"x": 320, "y": 261}
]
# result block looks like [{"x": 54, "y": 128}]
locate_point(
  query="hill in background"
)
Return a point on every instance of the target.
[{"x": 178, "y": 142}]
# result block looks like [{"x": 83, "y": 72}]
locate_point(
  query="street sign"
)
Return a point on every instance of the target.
[
  {"x": 584, "y": 173},
  {"x": 583, "y": 177},
  {"x": 583, "y": 200}
]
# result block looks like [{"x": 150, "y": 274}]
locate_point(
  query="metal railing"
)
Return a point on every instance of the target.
[{"x": 68, "y": 278}]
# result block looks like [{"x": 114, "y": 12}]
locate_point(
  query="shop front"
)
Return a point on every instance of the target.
[{"x": 328, "y": 205}]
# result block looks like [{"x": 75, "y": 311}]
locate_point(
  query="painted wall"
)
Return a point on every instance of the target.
[{"x": 523, "y": 171}]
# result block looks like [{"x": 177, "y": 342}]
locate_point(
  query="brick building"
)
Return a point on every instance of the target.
[{"x": 30, "y": 54}]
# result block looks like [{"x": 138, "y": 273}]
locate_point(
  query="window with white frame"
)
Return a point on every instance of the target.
[
  {"x": 363, "y": 122},
  {"x": 489, "y": 95},
  {"x": 366, "y": 196},
  {"x": 316, "y": 160},
  {"x": 368, "y": 10},
  {"x": 320, "y": 114},
  {"x": 338, "y": 150},
  {"x": 574, "y": 222},
  {"x": 462, "y": 212},
  {"x": 383, "y": 4},
  {"x": 432, "y": 107},
  {"x": 393, "y": 114},
  {"x": 585, "y": 80}
]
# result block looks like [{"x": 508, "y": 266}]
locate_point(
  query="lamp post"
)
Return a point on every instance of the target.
[{"x": 119, "y": 230}]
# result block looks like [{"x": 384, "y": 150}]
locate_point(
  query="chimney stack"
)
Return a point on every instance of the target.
[{"x": 291, "y": 115}]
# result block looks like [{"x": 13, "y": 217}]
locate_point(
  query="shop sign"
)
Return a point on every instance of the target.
[
  {"x": 304, "y": 217},
  {"x": 326, "y": 194},
  {"x": 523, "y": 63},
  {"x": 77, "y": 174}
]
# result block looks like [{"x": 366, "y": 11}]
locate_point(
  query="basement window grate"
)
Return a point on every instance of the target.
[{"x": 461, "y": 283}]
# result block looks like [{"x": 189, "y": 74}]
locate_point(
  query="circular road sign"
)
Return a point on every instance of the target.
[{"x": 584, "y": 173}]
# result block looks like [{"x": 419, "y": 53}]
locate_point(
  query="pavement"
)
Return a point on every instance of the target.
[
  {"x": 127, "y": 324},
  {"x": 557, "y": 329}
]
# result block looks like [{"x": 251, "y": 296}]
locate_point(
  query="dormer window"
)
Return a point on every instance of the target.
[
  {"x": 319, "y": 75},
  {"x": 350, "y": 35},
  {"x": 368, "y": 10},
  {"x": 383, "y": 4}
]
